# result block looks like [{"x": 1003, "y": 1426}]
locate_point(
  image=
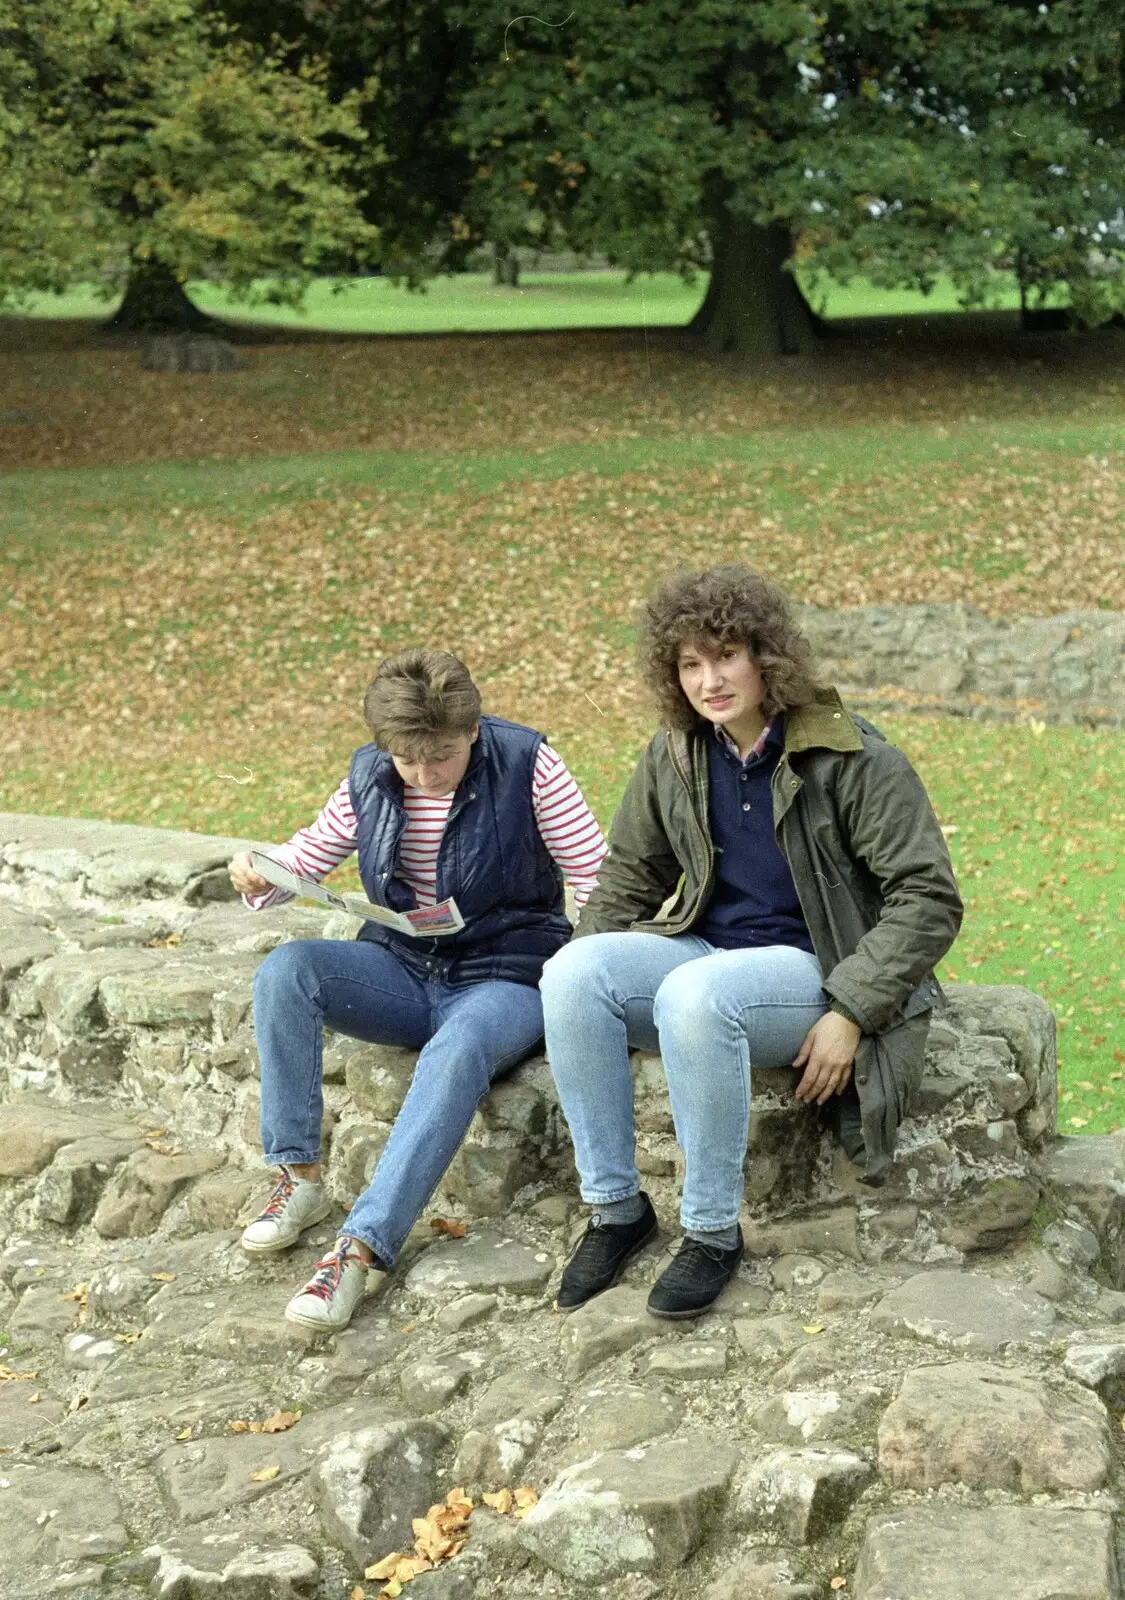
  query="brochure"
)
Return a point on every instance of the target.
[{"x": 424, "y": 922}]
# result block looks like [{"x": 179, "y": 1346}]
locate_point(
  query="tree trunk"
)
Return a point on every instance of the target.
[
  {"x": 505, "y": 266},
  {"x": 753, "y": 307},
  {"x": 155, "y": 302}
]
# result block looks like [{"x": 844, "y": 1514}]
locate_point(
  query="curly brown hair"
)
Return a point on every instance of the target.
[{"x": 731, "y": 604}]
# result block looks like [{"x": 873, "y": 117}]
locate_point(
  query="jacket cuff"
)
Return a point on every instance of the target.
[{"x": 841, "y": 1010}]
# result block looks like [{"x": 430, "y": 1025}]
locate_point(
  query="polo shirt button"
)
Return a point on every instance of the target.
[
  {"x": 746, "y": 806},
  {"x": 743, "y": 778}
]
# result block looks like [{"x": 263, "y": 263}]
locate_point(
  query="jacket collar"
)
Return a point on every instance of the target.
[{"x": 821, "y": 725}]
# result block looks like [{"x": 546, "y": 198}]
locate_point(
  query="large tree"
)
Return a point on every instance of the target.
[
  {"x": 155, "y": 146},
  {"x": 896, "y": 138}
]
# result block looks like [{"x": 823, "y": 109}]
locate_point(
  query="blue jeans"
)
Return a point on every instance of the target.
[
  {"x": 710, "y": 1013},
  {"x": 467, "y": 1035}
]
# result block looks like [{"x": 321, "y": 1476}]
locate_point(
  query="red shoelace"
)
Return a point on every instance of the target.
[
  {"x": 276, "y": 1202},
  {"x": 328, "y": 1273}
]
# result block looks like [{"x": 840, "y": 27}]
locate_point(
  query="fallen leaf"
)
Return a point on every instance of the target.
[
  {"x": 76, "y": 1404},
  {"x": 163, "y": 1277},
  {"x": 838, "y": 1582},
  {"x": 813, "y": 1327},
  {"x": 525, "y": 1499},
  {"x": 281, "y": 1421},
  {"x": 238, "y": 1426},
  {"x": 156, "y": 1133},
  {"x": 503, "y": 1500},
  {"x": 184, "y": 1433},
  {"x": 79, "y": 1293},
  {"x": 455, "y": 1230},
  {"x": 8, "y": 1376},
  {"x": 34, "y": 1399},
  {"x": 126, "y": 1338},
  {"x": 264, "y": 1474},
  {"x": 384, "y": 1568},
  {"x": 358, "y": 1594}
]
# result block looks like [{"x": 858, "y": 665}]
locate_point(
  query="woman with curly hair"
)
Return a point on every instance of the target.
[{"x": 777, "y": 893}]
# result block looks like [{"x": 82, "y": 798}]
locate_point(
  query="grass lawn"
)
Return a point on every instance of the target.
[
  {"x": 199, "y": 574},
  {"x": 472, "y": 303}
]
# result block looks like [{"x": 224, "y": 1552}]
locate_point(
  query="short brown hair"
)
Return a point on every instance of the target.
[
  {"x": 419, "y": 697},
  {"x": 731, "y": 604}
]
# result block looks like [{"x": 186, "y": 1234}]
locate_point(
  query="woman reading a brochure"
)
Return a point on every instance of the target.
[{"x": 465, "y": 827}]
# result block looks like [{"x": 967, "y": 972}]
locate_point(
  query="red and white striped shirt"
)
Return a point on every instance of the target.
[{"x": 566, "y": 825}]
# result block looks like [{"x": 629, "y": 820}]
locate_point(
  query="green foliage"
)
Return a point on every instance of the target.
[
  {"x": 900, "y": 140},
  {"x": 144, "y": 131}
]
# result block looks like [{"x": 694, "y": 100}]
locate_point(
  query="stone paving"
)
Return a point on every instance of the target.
[{"x": 915, "y": 1390}]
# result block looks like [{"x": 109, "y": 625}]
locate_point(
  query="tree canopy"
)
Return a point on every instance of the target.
[
  {"x": 143, "y": 139},
  {"x": 895, "y": 138}
]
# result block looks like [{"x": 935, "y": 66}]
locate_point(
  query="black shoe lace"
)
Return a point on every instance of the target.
[{"x": 687, "y": 1265}]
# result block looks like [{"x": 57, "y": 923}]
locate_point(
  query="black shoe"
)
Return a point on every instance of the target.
[
  {"x": 602, "y": 1252},
  {"x": 694, "y": 1279}
]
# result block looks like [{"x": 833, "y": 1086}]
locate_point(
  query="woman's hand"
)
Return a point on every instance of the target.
[
  {"x": 244, "y": 878},
  {"x": 827, "y": 1055}
]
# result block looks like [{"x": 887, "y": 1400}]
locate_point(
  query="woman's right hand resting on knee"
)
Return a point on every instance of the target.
[{"x": 244, "y": 878}]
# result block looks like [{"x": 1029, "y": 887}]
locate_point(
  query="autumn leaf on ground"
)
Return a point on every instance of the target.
[
  {"x": 384, "y": 1568},
  {"x": 357, "y": 1593},
  {"x": 264, "y": 1474},
  {"x": 279, "y": 1422},
  {"x": 813, "y": 1327},
  {"x": 8, "y": 1376},
  {"x": 34, "y": 1399},
  {"x": 79, "y": 1293},
  {"x": 163, "y": 1277},
  {"x": 838, "y": 1583},
  {"x": 502, "y": 1501},
  {"x": 126, "y": 1338},
  {"x": 184, "y": 1433},
  {"x": 525, "y": 1499},
  {"x": 455, "y": 1230},
  {"x": 238, "y": 1425}
]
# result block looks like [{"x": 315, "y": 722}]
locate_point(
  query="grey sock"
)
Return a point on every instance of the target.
[
  {"x": 619, "y": 1213},
  {"x": 720, "y": 1239}
]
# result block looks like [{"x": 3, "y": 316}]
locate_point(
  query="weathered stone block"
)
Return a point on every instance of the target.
[
  {"x": 58, "y": 1513},
  {"x": 801, "y": 1494},
  {"x": 231, "y": 1566},
  {"x": 1004, "y": 1552},
  {"x": 481, "y": 1262},
  {"x": 989, "y": 1428},
  {"x": 798, "y": 1416},
  {"x": 486, "y": 1178},
  {"x": 634, "y": 1511},
  {"x": 999, "y": 1212},
  {"x": 71, "y": 1186},
  {"x": 965, "y": 1311},
  {"x": 1088, "y": 1174},
  {"x": 370, "y": 1484},
  {"x": 377, "y": 1075},
  {"x": 818, "y": 1231},
  {"x": 140, "y": 1192}
]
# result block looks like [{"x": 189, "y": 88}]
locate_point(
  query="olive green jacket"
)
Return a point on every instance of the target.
[{"x": 870, "y": 865}]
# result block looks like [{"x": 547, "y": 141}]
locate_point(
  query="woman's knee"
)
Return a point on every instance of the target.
[
  {"x": 572, "y": 970},
  {"x": 287, "y": 971},
  {"x": 687, "y": 1003}
]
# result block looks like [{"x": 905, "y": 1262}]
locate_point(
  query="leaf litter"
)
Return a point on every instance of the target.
[{"x": 441, "y": 1534}]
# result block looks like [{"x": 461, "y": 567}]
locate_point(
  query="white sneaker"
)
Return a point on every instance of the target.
[
  {"x": 294, "y": 1205},
  {"x": 329, "y": 1299}
]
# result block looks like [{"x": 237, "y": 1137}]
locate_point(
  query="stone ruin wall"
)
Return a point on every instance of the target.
[
  {"x": 915, "y": 1390},
  {"x": 127, "y": 976}
]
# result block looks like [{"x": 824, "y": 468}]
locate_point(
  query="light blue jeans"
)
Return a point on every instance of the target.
[
  {"x": 467, "y": 1034},
  {"x": 710, "y": 1013}
]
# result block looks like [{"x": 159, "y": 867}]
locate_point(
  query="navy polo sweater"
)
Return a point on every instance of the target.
[{"x": 755, "y": 899}]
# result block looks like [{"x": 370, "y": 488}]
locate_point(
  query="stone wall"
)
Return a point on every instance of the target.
[
  {"x": 914, "y": 1389},
  {"x": 953, "y": 658}
]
